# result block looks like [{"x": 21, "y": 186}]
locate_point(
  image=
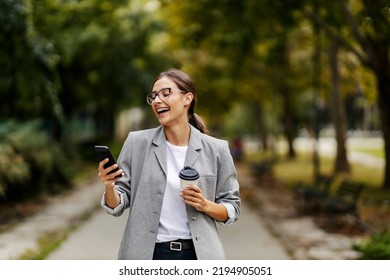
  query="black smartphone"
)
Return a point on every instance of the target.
[{"x": 103, "y": 152}]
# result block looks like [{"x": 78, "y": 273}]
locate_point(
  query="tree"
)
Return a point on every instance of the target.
[
  {"x": 28, "y": 76},
  {"x": 368, "y": 38},
  {"x": 242, "y": 54},
  {"x": 105, "y": 61},
  {"x": 339, "y": 121},
  {"x": 64, "y": 60}
]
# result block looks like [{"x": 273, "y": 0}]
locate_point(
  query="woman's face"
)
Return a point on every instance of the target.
[{"x": 173, "y": 109}]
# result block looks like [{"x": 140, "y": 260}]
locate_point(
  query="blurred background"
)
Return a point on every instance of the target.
[{"x": 301, "y": 89}]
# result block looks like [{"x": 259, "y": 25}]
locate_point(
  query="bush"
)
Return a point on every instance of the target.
[
  {"x": 13, "y": 168},
  {"x": 377, "y": 248},
  {"x": 31, "y": 162}
]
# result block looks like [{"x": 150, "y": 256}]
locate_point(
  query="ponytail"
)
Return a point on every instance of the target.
[{"x": 196, "y": 122}]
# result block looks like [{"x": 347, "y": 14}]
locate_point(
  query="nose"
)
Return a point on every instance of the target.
[{"x": 157, "y": 96}]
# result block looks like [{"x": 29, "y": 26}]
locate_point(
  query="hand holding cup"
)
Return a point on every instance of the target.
[{"x": 190, "y": 192}]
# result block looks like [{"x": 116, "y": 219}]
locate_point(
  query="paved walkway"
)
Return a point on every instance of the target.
[
  {"x": 62, "y": 212},
  {"x": 99, "y": 238}
]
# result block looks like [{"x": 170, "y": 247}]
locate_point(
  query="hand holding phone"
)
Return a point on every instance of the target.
[{"x": 103, "y": 152}]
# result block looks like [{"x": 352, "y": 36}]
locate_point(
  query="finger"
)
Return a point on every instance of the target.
[
  {"x": 192, "y": 201},
  {"x": 192, "y": 193},
  {"x": 111, "y": 168},
  {"x": 119, "y": 173},
  {"x": 194, "y": 188},
  {"x": 106, "y": 172},
  {"x": 185, "y": 193},
  {"x": 190, "y": 197},
  {"x": 102, "y": 163},
  {"x": 116, "y": 175}
]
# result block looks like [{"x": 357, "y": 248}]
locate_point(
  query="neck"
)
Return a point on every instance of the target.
[{"x": 178, "y": 135}]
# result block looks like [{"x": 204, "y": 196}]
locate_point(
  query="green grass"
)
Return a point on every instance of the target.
[
  {"x": 377, "y": 152},
  {"x": 46, "y": 244},
  {"x": 301, "y": 170}
]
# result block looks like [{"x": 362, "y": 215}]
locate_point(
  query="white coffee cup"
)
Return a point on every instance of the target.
[{"x": 188, "y": 176}]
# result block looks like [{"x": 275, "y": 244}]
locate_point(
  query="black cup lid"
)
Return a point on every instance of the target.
[{"x": 188, "y": 173}]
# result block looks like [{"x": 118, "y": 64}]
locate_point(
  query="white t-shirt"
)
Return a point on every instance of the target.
[{"x": 173, "y": 220}]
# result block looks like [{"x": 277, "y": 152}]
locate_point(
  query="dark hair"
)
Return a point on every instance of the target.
[{"x": 185, "y": 83}]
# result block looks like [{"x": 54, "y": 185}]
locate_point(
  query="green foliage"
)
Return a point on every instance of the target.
[
  {"x": 15, "y": 55},
  {"x": 376, "y": 248},
  {"x": 31, "y": 162},
  {"x": 70, "y": 59},
  {"x": 13, "y": 168},
  {"x": 243, "y": 56}
]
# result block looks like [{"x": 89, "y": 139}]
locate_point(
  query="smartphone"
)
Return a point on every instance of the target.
[{"x": 103, "y": 152}]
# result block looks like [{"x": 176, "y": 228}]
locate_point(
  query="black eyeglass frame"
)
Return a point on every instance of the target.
[{"x": 152, "y": 96}]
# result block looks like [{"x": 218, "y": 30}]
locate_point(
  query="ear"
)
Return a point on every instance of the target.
[{"x": 189, "y": 98}]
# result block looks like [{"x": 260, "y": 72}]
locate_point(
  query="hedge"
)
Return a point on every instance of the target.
[{"x": 31, "y": 162}]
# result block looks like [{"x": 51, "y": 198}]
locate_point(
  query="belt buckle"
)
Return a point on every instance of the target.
[{"x": 175, "y": 246}]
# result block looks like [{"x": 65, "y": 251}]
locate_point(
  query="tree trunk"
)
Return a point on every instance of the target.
[
  {"x": 376, "y": 47},
  {"x": 338, "y": 111},
  {"x": 384, "y": 101},
  {"x": 287, "y": 123},
  {"x": 316, "y": 88},
  {"x": 286, "y": 95},
  {"x": 381, "y": 67},
  {"x": 262, "y": 130}
]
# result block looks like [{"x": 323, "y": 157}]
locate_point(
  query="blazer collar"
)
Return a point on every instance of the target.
[
  {"x": 194, "y": 146},
  {"x": 195, "y": 137},
  {"x": 159, "y": 142},
  {"x": 159, "y": 138}
]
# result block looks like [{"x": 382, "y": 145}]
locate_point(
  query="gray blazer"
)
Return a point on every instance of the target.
[{"x": 144, "y": 161}]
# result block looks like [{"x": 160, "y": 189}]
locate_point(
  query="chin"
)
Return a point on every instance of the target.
[{"x": 162, "y": 121}]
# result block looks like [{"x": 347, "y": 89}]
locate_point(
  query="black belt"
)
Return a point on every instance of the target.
[{"x": 178, "y": 245}]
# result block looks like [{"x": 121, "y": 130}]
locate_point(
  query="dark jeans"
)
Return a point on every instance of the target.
[{"x": 163, "y": 251}]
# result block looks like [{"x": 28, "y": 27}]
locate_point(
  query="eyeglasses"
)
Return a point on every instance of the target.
[{"x": 163, "y": 94}]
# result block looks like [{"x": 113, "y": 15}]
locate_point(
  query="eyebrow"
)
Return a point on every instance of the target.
[{"x": 155, "y": 91}]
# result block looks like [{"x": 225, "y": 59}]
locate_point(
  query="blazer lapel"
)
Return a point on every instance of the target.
[
  {"x": 193, "y": 147},
  {"x": 192, "y": 155},
  {"x": 160, "y": 149}
]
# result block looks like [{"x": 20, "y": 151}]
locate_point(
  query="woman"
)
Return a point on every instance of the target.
[{"x": 166, "y": 222}]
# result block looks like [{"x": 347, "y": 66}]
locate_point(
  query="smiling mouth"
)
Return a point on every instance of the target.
[{"x": 162, "y": 110}]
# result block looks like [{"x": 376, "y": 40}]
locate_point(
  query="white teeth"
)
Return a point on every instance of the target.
[{"x": 159, "y": 110}]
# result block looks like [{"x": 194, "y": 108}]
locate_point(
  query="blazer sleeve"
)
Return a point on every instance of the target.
[
  {"x": 123, "y": 185},
  {"x": 227, "y": 192}
]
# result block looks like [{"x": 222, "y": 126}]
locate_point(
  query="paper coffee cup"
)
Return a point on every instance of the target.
[{"x": 188, "y": 175}]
